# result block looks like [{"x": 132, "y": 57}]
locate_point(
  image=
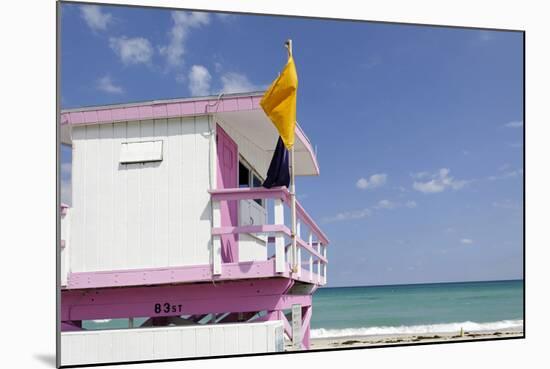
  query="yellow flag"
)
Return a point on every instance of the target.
[{"x": 279, "y": 102}]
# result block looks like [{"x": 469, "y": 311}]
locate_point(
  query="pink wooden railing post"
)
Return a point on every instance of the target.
[
  {"x": 216, "y": 240},
  {"x": 310, "y": 242},
  {"x": 298, "y": 262}
]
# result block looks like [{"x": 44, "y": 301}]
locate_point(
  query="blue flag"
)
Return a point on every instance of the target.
[{"x": 278, "y": 173}]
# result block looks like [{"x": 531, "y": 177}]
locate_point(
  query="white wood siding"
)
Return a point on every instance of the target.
[
  {"x": 141, "y": 215},
  {"x": 94, "y": 347}
]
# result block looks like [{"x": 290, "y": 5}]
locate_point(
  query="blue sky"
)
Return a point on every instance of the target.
[{"x": 419, "y": 130}]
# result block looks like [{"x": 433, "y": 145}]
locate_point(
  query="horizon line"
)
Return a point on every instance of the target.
[{"x": 424, "y": 283}]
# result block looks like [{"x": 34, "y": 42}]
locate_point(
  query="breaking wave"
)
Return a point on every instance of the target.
[{"x": 417, "y": 329}]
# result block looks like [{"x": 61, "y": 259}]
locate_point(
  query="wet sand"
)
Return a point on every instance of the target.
[{"x": 386, "y": 340}]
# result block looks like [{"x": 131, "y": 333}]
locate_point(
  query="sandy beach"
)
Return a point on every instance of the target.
[{"x": 383, "y": 340}]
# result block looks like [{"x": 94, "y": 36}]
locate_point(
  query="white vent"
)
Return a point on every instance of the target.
[{"x": 140, "y": 152}]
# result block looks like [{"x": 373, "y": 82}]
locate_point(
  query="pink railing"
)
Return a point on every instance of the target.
[{"x": 279, "y": 231}]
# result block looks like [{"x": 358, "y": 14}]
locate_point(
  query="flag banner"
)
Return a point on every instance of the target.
[
  {"x": 278, "y": 173},
  {"x": 279, "y": 102}
]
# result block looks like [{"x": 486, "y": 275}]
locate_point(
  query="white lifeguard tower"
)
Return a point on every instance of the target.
[{"x": 169, "y": 222}]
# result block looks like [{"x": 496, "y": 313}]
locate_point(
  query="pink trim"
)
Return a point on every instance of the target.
[
  {"x": 62, "y": 244},
  {"x": 186, "y": 274},
  {"x": 152, "y": 276},
  {"x": 159, "y": 110},
  {"x": 213, "y": 305},
  {"x": 245, "y": 103},
  {"x": 195, "y": 299},
  {"x": 229, "y": 194},
  {"x": 104, "y": 115}
]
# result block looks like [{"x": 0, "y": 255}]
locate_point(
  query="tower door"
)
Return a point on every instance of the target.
[{"x": 227, "y": 178}]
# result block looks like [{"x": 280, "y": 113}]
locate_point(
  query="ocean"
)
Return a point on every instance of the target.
[{"x": 418, "y": 308}]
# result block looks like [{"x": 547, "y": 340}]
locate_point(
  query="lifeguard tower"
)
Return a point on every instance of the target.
[{"x": 169, "y": 222}]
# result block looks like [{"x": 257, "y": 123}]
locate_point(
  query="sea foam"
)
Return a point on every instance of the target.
[{"x": 417, "y": 329}]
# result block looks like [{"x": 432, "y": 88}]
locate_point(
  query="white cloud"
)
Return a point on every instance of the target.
[
  {"x": 374, "y": 181},
  {"x": 199, "y": 80},
  {"x": 514, "y": 124},
  {"x": 385, "y": 204},
  {"x": 136, "y": 50},
  {"x": 420, "y": 175},
  {"x": 349, "y": 215},
  {"x": 367, "y": 212},
  {"x": 466, "y": 241},
  {"x": 236, "y": 82},
  {"x": 182, "y": 23},
  {"x": 439, "y": 182},
  {"x": 401, "y": 189},
  {"x": 105, "y": 84},
  {"x": 505, "y": 175},
  {"x": 95, "y": 18}
]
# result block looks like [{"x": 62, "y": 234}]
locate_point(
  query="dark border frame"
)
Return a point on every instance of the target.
[{"x": 59, "y": 3}]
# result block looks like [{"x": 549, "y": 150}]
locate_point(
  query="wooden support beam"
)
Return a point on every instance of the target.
[
  {"x": 286, "y": 325},
  {"x": 306, "y": 326}
]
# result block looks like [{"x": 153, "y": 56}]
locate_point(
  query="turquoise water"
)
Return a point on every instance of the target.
[{"x": 421, "y": 308}]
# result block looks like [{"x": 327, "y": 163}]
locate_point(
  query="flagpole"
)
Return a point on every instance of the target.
[{"x": 288, "y": 45}]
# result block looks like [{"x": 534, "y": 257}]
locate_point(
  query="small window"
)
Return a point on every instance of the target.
[
  {"x": 244, "y": 175},
  {"x": 249, "y": 178},
  {"x": 257, "y": 182}
]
